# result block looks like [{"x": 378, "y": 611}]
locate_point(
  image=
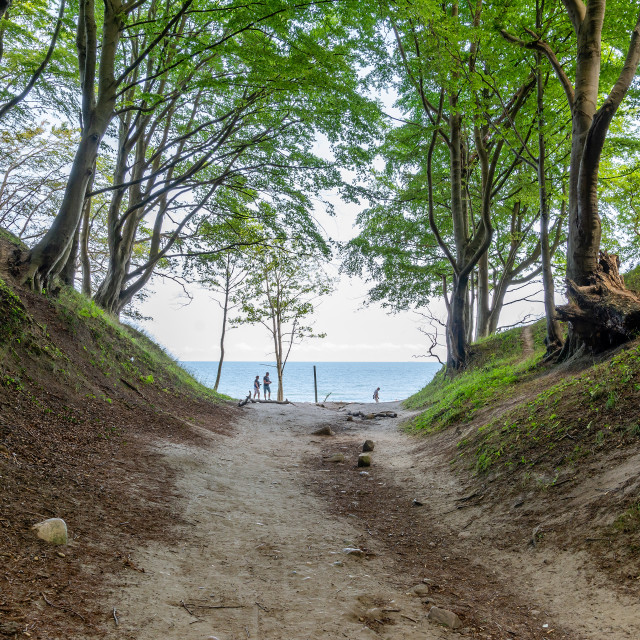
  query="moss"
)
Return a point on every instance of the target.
[
  {"x": 14, "y": 315},
  {"x": 14, "y": 240}
]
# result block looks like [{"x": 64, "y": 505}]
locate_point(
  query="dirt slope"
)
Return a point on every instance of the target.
[{"x": 267, "y": 518}]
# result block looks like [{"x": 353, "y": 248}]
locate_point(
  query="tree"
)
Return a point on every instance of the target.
[
  {"x": 223, "y": 265},
  {"x": 284, "y": 283},
  {"x": 447, "y": 161},
  {"x": 601, "y": 311},
  {"x": 29, "y": 49}
]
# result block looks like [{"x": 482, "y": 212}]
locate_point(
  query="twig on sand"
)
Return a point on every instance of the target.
[
  {"x": 115, "y": 616},
  {"x": 67, "y": 609},
  {"x": 408, "y": 618},
  {"x": 182, "y": 602}
]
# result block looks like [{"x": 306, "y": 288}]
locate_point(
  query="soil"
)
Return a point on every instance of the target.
[
  {"x": 244, "y": 536},
  {"x": 191, "y": 520}
]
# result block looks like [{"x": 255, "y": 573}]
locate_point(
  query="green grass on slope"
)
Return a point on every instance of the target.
[
  {"x": 496, "y": 366},
  {"x": 117, "y": 352},
  {"x": 566, "y": 423},
  {"x": 121, "y": 351}
]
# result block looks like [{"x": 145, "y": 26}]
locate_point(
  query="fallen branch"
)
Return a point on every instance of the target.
[
  {"x": 210, "y": 606},
  {"x": 187, "y": 609},
  {"x": 67, "y": 609},
  {"x": 250, "y": 399},
  {"x": 115, "y": 616},
  {"x": 369, "y": 416},
  {"x": 132, "y": 387}
]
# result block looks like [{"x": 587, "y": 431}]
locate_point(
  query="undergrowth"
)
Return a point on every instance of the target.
[
  {"x": 496, "y": 366},
  {"x": 567, "y": 422}
]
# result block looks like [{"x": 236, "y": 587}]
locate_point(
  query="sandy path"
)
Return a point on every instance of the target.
[{"x": 262, "y": 558}]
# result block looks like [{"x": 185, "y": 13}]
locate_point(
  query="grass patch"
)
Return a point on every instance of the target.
[
  {"x": 566, "y": 423},
  {"x": 629, "y": 521},
  {"x": 497, "y": 365}
]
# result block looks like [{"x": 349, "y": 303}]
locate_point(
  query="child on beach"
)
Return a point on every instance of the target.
[
  {"x": 376, "y": 395},
  {"x": 256, "y": 387}
]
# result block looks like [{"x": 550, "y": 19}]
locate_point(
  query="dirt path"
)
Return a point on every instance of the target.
[{"x": 262, "y": 556}]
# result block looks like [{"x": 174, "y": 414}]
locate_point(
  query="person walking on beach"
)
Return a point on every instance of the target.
[
  {"x": 376, "y": 396},
  {"x": 256, "y": 387},
  {"x": 266, "y": 381}
]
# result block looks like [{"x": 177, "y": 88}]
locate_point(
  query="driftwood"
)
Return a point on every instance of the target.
[
  {"x": 369, "y": 416},
  {"x": 603, "y": 313},
  {"x": 250, "y": 399}
]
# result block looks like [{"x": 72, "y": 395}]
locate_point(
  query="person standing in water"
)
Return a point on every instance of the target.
[
  {"x": 256, "y": 387},
  {"x": 376, "y": 395},
  {"x": 266, "y": 381}
]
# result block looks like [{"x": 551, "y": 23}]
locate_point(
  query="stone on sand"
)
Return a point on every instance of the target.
[
  {"x": 53, "y": 530},
  {"x": 324, "y": 431},
  {"x": 445, "y": 617},
  {"x": 368, "y": 445},
  {"x": 364, "y": 460}
]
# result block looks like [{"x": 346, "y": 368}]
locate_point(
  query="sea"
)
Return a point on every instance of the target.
[{"x": 336, "y": 381}]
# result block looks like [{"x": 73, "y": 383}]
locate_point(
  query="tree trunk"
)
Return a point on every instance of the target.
[
  {"x": 554, "y": 334},
  {"x": 84, "y": 248},
  {"x": 591, "y": 273},
  {"x": 225, "y": 311},
  {"x": 482, "y": 320},
  {"x": 46, "y": 259},
  {"x": 68, "y": 272}
]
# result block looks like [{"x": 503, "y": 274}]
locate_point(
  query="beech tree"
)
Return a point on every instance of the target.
[
  {"x": 449, "y": 162},
  {"x": 601, "y": 311}
]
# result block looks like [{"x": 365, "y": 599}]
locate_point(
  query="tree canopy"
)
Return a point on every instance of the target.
[{"x": 137, "y": 136}]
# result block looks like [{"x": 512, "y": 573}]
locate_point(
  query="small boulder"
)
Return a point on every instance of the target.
[
  {"x": 445, "y": 617},
  {"x": 53, "y": 530},
  {"x": 370, "y": 416},
  {"x": 324, "y": 431},
  {"x": 349, "y": 418},
  {"x": 420, "y": 590},
  {"x": 364, "y": 460},
  {"x": 336, "y": 457},
  {"x": 368, "y": 445}
]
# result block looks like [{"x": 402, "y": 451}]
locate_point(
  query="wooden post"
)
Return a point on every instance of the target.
[{"x": 315, "y": 382}]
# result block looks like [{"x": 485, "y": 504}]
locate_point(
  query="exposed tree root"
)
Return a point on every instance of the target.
[{"x": 603, "y": 313}]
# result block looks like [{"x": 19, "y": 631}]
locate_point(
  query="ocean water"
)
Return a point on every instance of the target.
[{"x": 337, "y": 381}]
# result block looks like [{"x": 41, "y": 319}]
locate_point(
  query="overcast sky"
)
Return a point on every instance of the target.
[{"x": 354, "y": 333}]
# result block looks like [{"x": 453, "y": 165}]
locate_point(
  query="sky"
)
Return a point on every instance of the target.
[
  {"x": 190, "y": 330},
  {"x": 355, "y": 333}
]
